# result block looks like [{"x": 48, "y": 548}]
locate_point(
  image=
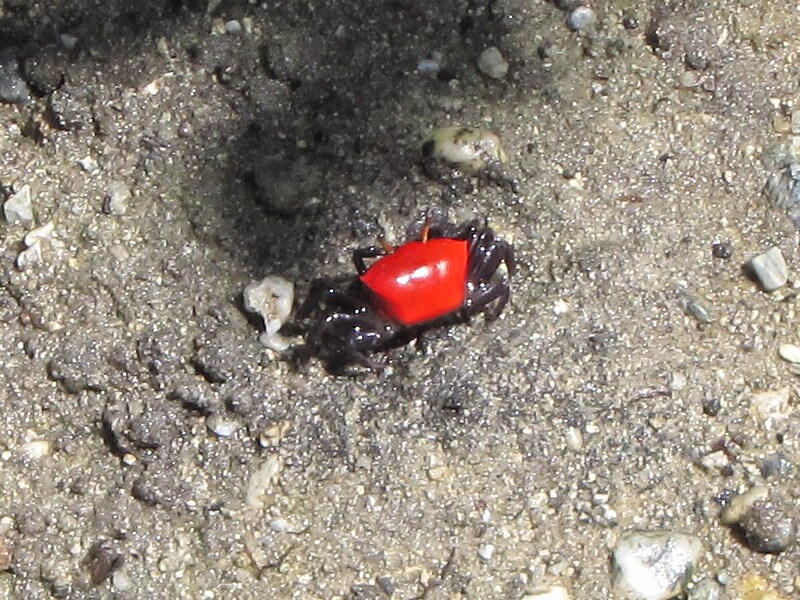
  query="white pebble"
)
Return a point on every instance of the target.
[
  {"x": 38, "y": 234},
  {"x": 37, "y": 449},
  {"x": 654, "y": 565},
  {"x": 221, "y": 425},
  {"x": 233, "y": 26},
  {"x": 486, "y": 552},
  {"x": 492, "y": 63},
  {"x": 88, "y": 164},
  {"x": 581, "y": 18},
  {"x": 19, "y": 207},
  {"x": 770, "y": 269},
  {"x": 31, "y": 256},
  {"x": 789, "y": 353},
  {"x": 121, "y": 581}
]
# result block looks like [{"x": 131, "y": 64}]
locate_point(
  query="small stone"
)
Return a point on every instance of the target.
[
  {"x": 762, "y": 519},
  {"x": 789, "y": 353},
  {"x": 769, "y": 269},
  {"x": 30, "y": 257},
  {"x": 581, "y": 18},
  {"x": 386, "y": 584},
  {"x": 36, "y": 449},
  {"x": 272, "y": 299},
  {"x": 555, "y": 592},
  {"x": 88, "y": 164},
  {"x": 695, "y": 307},
  {"x": 711, "y": 406},
  {"x": 771, "y": 406},
  {"x": 116, "y": 200},
  {"x": 102, "y": 561},
  {"x": 233, "y": 26},
  {"x": 121, "y": 581},
  {"x": 19, "y": 207},
  {"x": 721, "y": 250},
  {"x": 486, "y": 552},
  {"x": 428, "y": 66},
  {"x": 221, "y": 425},
  {"x": 12, "y": 87},
  {"x": 39, "y": 234},
  {"x": 654, "y": 565},
  {"x": 492, "y": 63}
]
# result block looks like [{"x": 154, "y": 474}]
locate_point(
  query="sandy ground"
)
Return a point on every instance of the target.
[{"x": 492, "y": 460}]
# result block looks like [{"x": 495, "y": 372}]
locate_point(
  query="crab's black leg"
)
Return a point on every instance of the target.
[
  {"x": 369, "y": 252},
  {"x": 486, "y": 259},
  {"x": 481, "y": 296},
  {"x": 325, "y": 291},
  {"x": 361, "y": 333}
]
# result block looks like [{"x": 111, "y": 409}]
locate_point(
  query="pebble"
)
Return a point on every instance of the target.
[
  {"x": 486, "y": 552},
  {"x": 272, "y": 299},
  {"x": 769, "y": 269},
  {"x": 783, "y": 186},
  {"x": 789, "y": 353},
  {"x": 492, "y": 63},
  {"x": 581, "y": 18},
  {"x": 432, "y": 65},
  {"x": 19, "y": 207},
  {"x": 121, "y": 581},
  {"x": 221, "y": 425},
  {"x": 39, "y": 234},
  {"x": 721, "y": 250},
  {"x": 12, "y": 87},
  {"x": 695, "y": 308},
  {"x": 233, "y": 26},
  {"x": 654, "y": 565},
  {"x": 116, "y": 199},
  {"x": 30, "y": 257},
  {"x": 771, "y": 406},
  {"x": 762, "y": 519},
  {"x": 88, "y": 164},
  {"x": 555, "y": 592},
  {"x": 36, "y": 449}
]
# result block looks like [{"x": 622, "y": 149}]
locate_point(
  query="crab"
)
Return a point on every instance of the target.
[{"x": 445, "y": 276}]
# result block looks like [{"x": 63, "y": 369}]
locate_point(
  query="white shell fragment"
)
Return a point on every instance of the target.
[
  {"x": 272, "y": 299},
  {"x": 769, "y": 269},
  {"x": 468, "y": 149},
  {"x": 654, "y": 565}
]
